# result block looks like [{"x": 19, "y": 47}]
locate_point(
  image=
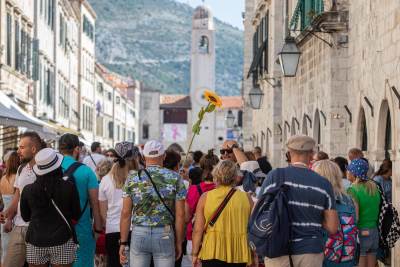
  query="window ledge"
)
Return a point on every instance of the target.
[{"x": 327, "y": 22}]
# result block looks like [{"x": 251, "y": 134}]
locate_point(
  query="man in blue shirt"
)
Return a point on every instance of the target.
[
  {"x": 87, "y": 185},
  {"x": 311, "y": 204}
]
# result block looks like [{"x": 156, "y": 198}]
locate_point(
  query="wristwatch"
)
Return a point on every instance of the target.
[{"x": 125, "y": 243}]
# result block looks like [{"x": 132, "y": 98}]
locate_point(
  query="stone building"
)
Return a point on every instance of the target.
[{"x": 346, "y": 90}]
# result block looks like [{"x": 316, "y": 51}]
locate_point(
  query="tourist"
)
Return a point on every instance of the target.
[
  {"x": 342, "y": 163},
  {"x": 87, "y": 185},
  {"x": 197, "y": 188},
  {"x": 103, "y": 168},
  {"x": 93, "y": 158},
  {"x": 110, "y": 197},
  {"x": 50, "y": 204},
  {"x": 155, "y": 201},
  {"x": 172, "y": 160},
  {"x": 184, "y": 170},
  {"x": 195, "y": 175},
  {"x": 320, "y": 155},
  {"x": 356, "y": 153},
  {"x": 207, "y": 164},
  {"x": 225, "y": 243},
  {"x": 7, "y": 192},
  {"x": 347, "y": 217},
  {"x": 262, "y": 160},
  {"x": 384, "y": 178},
  {"x": 197, "y": 155},
  {"x": 29, "y": 145},
  {"x": 311, "y": 204},
  {"x": 110, "y": 153},
  {"x": 367, "y": 199}
]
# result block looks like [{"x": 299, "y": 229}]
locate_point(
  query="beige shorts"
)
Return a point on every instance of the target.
[
  {"x": 16, "y": 250},
  {"x": 303, "y": 260}
]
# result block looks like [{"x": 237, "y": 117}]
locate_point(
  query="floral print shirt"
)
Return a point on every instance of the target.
[{"x": 148, "y": 210}]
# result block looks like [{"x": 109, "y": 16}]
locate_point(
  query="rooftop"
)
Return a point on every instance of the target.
[
  {"x": 202, "y": 12},
  {"x": 234, "y": 102},
  {"x": 175, "y": 101}
]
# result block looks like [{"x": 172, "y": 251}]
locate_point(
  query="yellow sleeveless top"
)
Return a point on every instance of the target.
[{"x": 227, "y": 239}]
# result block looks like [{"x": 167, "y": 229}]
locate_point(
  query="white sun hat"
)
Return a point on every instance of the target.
[{"x": 47, "y": 160}]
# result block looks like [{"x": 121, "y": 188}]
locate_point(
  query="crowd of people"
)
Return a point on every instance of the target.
[{"x": 144, "y": 206}]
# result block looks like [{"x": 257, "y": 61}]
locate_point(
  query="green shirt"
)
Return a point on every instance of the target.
[{"x": 368, "y": 206}]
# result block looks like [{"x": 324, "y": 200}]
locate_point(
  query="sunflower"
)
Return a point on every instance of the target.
[{"x": 213, "y": 98}]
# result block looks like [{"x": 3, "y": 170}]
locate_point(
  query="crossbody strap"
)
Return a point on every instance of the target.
[
  {"x": 158, "y": 193},
  {"x": 94, "y": 162},
  {"x": 65, "y": 220},
  {"x": 220, "y": 209}
]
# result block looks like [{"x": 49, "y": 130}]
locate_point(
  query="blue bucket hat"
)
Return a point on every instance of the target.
[{"x": 359, "y": 168}]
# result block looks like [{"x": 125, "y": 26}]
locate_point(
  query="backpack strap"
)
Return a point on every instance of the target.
[
  {"x": 72, "y": 168},
  {"x": 281, "y": 182},
  {"x": 20, "y": 168},
  {"x": 199, "y": 189},
  {"x": 70, "y": 173}
]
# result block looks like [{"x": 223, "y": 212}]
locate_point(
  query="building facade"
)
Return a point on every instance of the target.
[{"x": 345, "y": 92}]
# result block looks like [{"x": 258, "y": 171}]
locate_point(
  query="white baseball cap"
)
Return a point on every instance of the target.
[{"x": 153, "y": 149}]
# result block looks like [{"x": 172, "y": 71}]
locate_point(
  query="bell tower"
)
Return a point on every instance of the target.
[{"x": 202, "y": 74}]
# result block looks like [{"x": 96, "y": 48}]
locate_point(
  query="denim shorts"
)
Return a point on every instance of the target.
[{"x": 369, "y": 241}]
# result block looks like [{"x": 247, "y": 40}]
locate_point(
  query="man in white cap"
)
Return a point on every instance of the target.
[
  {"x": 311, "y": 203},
  {"x": 156, "y": 196}
]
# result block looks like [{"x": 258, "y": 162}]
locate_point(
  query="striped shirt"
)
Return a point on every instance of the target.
[{"x": 309, "y": 195}]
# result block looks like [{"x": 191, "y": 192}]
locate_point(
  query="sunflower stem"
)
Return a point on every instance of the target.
[{"x": 194, "y": 134}]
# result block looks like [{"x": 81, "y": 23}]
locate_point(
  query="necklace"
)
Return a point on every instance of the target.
[{"x": 300, "y": 165}]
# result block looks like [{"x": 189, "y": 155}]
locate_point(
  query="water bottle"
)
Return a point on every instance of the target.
[{"x": 126, "y": 252}]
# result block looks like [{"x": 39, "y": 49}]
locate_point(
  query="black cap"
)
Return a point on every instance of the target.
[
  {"x": 68, "y": 141},
  {"x": 94, "y": 146}
]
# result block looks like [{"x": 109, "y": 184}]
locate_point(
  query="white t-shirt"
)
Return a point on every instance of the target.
[
  {"x": 27, "y": 176},
  {"x": 108, "y": 192},
  {"x": 96, "y": 158}
]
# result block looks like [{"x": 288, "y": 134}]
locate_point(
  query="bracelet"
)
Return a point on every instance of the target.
[{"x": 123, "y": 243}]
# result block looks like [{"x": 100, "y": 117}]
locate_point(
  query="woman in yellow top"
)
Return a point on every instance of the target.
[{"x": 225, "y": 243}]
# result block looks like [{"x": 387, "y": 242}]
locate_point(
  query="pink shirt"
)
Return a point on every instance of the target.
[{"x": 192, "y": 199}]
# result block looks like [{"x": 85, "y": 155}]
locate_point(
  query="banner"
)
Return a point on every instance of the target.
[{"x": 175, "y": 132}]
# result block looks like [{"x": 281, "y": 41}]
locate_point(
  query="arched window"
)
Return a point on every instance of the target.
[{"x": 204, "y": 45}]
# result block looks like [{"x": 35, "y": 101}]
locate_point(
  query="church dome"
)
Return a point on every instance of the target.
[{"x": 202, "y": 12}]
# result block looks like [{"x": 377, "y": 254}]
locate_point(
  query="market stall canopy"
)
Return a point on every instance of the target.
[{"x": 13, "y": 115}]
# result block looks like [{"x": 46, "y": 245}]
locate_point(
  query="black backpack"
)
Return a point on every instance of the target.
[
  {"x": 269, "y": 229},
  {"x": 69, "y": 176}
]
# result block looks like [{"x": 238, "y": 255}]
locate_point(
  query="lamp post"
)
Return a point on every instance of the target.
[
  {"x": 289, "y": 57},
  {"x": 256, "y": 96},
  {"x": 230, "y": 119},
  {"x": 290, "y": 54}
]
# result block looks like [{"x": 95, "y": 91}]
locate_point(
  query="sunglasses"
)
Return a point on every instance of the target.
[{"x": 223, "y": 151}]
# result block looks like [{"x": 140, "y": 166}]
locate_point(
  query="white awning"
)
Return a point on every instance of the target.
[{"x": 13, "y": 115}]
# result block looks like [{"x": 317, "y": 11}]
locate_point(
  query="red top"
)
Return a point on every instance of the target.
[{"x": 192, "y": 199}]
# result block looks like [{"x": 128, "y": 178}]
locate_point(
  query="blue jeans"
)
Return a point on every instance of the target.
[{"x": 156, "y": 242}]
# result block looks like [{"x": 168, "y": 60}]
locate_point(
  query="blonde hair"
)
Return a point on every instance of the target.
[
  {"x": 103, "y": 168},
  {"x": 331, "y": 171},
  {"x": 119, "y": 174},
  {"x": 225, "y": 173},
  {"x": 370, "y": 186}
]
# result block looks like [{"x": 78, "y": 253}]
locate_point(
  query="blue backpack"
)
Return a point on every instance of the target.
[{"x": 269, "y": 229}]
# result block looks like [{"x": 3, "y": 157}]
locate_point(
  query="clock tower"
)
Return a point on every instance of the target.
[{"x": 202, "y": 75}]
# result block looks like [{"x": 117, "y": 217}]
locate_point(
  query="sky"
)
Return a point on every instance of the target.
[{"x": 229, "y": 11}]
